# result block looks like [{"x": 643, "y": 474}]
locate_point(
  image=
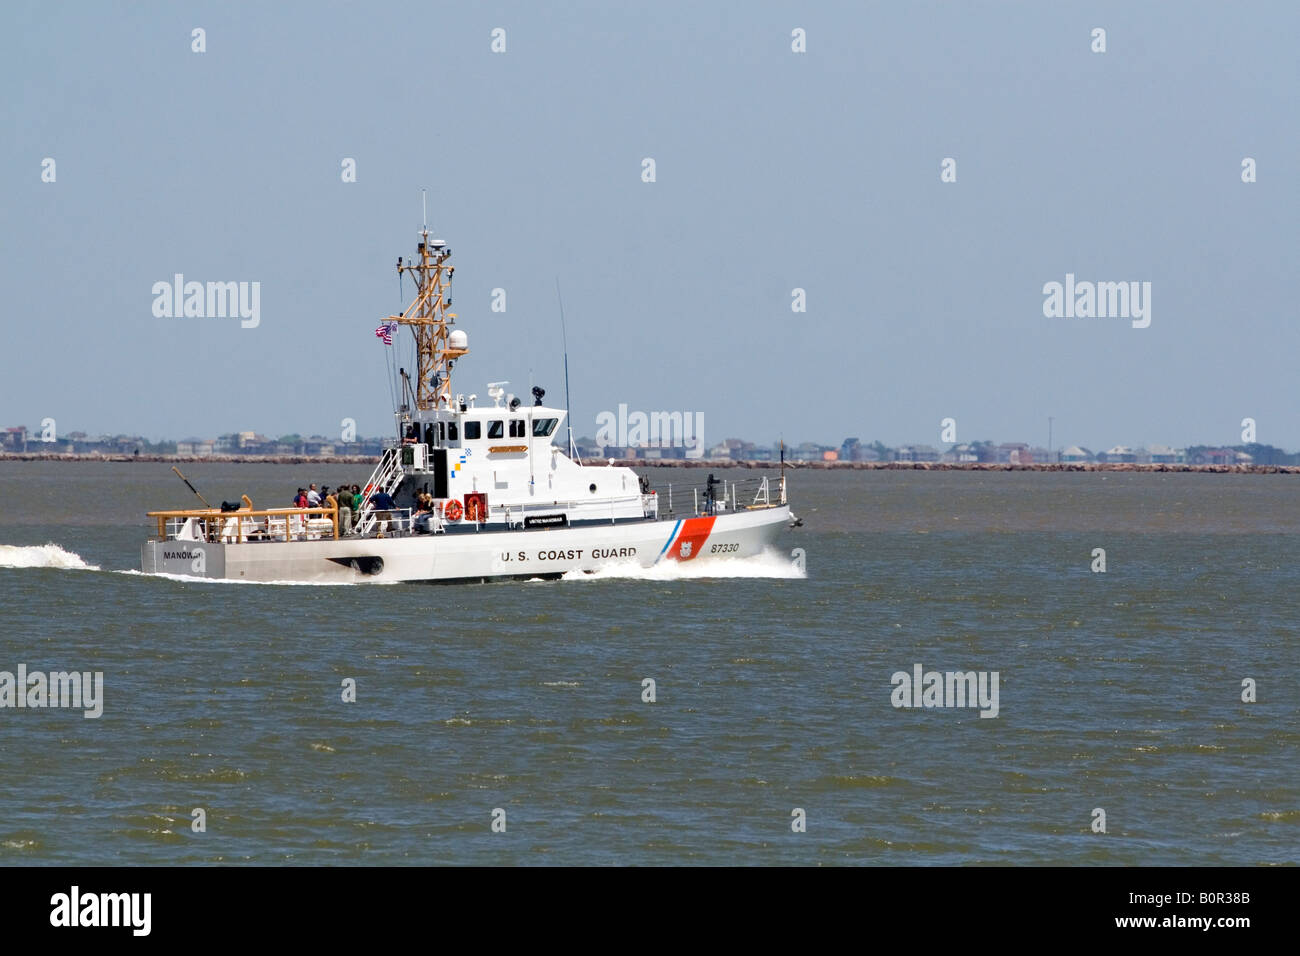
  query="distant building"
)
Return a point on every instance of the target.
[
  {"x": 124, "y": 444},
  {"x": 1162, "y": 455},
  {"x": 15, "y": 438},
  {"x": 253, "y": 444},
  {"x": 918, "y": 453},
  {"x": 1119, "y": 454},
  {"x": 587, "y": 448},
  {"x": 1014, "y": 453},
  {"x": 1212, "y": 456},
  {"x": 806, "y": 451},
  {"x": 1076, "y": 454},
  {"x": 196, "y": 447}
]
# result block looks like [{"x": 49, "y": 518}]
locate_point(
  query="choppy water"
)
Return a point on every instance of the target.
[{"x": 1119, "y": 690}]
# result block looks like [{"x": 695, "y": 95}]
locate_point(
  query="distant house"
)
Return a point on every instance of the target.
[
  {"x": 15, "y": 439},
  {"x": 123, "y": 444},
  {"x": 1118, "y": 454},
  {"x": 587, "y": 448},
  {"x": 1163, "y": 455},
  {"x": 252, "y": 444},
  {"x": 1014, "y": 453},
  {"x": 197, "y": 447},
  {"x": 918, "y": 453},
  {"x": 1213, "y": 456},
  {"x": 1075, "y": 454}
]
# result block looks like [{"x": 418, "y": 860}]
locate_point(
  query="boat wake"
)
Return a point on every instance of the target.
[
  {"x": 769, "y": 564},
  {"x": 42, "y": 556}
]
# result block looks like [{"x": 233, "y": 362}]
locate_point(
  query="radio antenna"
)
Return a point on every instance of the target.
[{"x": 564, "y": 337}]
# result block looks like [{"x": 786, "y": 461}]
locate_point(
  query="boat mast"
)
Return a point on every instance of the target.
[{"x": 429, "y": 319}]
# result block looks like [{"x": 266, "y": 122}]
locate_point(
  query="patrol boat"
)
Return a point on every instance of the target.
[{"x": 509, "y": 501}]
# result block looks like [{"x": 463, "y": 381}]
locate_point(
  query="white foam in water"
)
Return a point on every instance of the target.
[
  {"x": 769, "y": 564},
  {"x": 42, "y": 556}
]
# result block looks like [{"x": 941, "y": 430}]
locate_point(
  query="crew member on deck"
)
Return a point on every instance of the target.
[{"x": 383, "y": 506}]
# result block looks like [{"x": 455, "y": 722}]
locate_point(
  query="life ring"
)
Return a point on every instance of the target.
[{"x": 452, "y": 510}]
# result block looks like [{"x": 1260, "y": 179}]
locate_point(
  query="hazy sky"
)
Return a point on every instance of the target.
[{"x": 775, "y": 170}]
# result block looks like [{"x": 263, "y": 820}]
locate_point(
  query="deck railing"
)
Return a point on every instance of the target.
[
  {"x": 748, "y": 494},
  {"x": 246, "y": 524},
  {"x": 288, "y": 524}
]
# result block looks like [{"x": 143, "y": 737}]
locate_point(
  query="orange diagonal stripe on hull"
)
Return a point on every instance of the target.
[{"x": 695, "y": 531}]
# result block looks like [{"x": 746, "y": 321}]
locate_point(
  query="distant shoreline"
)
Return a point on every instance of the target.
[{"x": 325, "y": 460}]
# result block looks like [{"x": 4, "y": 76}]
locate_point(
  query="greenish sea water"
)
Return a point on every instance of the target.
[{"x": 1119, "y": 690}]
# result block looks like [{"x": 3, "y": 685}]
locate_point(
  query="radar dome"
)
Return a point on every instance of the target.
[{"x": 458, "y": 340}]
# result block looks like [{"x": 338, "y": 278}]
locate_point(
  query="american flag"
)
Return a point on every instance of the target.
[{"x": 385, "y": 332}]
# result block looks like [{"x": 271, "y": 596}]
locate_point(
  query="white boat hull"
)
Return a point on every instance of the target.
[{"x": 468, "y": 555}]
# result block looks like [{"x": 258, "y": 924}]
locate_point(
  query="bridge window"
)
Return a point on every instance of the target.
[
  {"x": 496, "y": 429},
  {"x": 473, "y": 430},
  {"x": 453, "y": 432},
  {"x": 517, "y": 428},
  {"x": 542, "y": 427}
]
